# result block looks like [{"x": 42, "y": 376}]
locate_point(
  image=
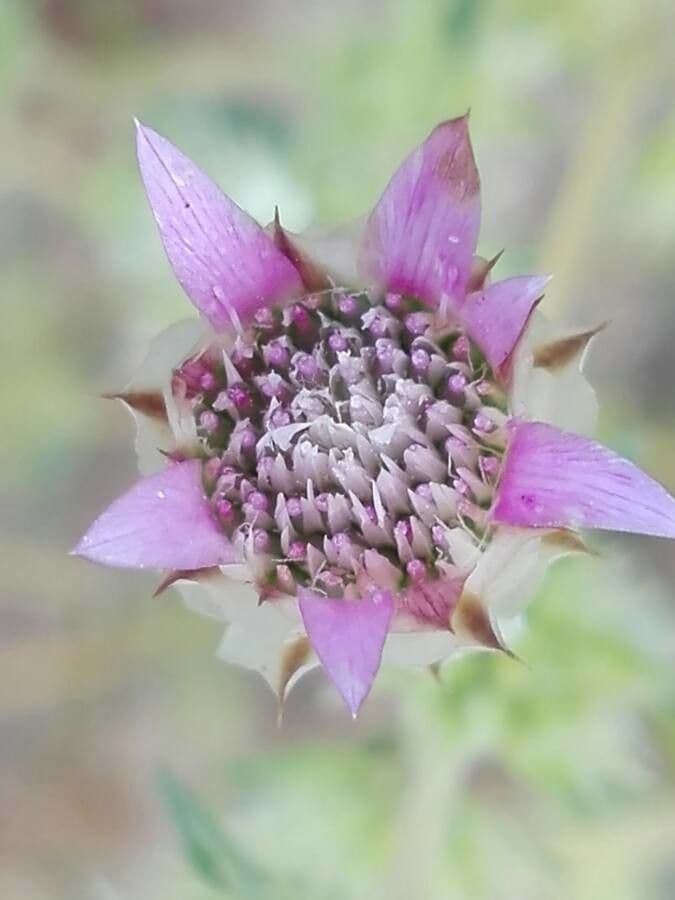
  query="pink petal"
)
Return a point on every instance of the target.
[
  {"x": 225, "y": 262},
  {"x": 553, "y": 478},
  {"x": 163, "y": 522},
  {"x": 496, "y": 317},
  {"x": 348, "y": 637},
  {"x": 421, "y": 236}
]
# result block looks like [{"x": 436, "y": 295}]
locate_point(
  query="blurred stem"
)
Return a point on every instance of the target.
[
  {"x": 600, "y": 159},
  {"x": 433, "y": 788}
]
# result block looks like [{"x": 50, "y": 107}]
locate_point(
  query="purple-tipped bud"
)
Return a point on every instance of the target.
[
  {"x": 274, "y": 387},
  {"x": 416, "y": 571},
  {"x": 349, "y": 307},
  {"x": 394, "y": 303},
  {"x": 424, "y": 491},
  {"x": 248, "y": 440},
  {"x": 378, "y": 326},
  {"x": 321, "y": 502},
  {"x": 337, "y": 342},
  {"x": 417, "y": 323},
  {"x": 403, "y": 530},
  {"x": 461, "y": 349},
  {"x": 294, "y": 507},
  {"x": 489, "y": 467},
  {"x": 241, "y": 398},
  {"x": 208, "y": 382},
  {"x": 461, "y": 487},
  {"x": 439, "y": 536},
  {"x": 276, "y": 355},
  {"x": 456, "y": 387},
  {"x": 259, "y": 501},
  {"x": 191, "y": 374},
  {"x": 209, "y": 422},
  {"x": 264, "y": 317},
  {"x": 482, "y": 424},
  {"x": 307, "y": 370},
  {"x": 280, "y": 417},
  {"x": 297, "y": 551},
  {"x": 420, "y": 360},
  {"x": 225, "y": 511}
]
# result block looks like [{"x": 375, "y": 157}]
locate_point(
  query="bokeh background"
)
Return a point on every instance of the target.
[{"x": 132, "y": 763}]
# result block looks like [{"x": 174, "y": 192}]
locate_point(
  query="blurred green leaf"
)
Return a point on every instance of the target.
[{"x": 213, "y": 854}]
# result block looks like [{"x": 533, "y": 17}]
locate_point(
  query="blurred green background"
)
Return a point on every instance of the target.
[{"x": 132, "y": 763}]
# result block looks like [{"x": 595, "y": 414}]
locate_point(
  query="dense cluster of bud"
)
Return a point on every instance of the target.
[{"x": 347, "y": 432}]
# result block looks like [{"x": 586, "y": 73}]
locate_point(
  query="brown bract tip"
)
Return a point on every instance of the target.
[
  {"x": 150, "y": 403},
  {"x": 555, "y": 355},
  {"x": 471, "y": 618},
  {"x": 294, "y": 656},
  {"x": 196, "y": 575},
  {"x": 313, "y": 276},
  {"x": 567, "y": 542}
]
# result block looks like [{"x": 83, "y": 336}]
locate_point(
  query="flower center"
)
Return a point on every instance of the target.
[{"x": 345, "y": 429}]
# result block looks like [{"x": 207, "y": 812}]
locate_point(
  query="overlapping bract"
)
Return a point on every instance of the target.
[{"x": 419, "y": 241}]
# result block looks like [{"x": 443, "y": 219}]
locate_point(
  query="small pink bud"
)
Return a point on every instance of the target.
[
  {"x": 209, "y": 421},
  {"x": 420, "y": 360},
  {"x": 294, "y": 507},
  {"x": 240, "y": 396},
  {"x": 280, "y": 417},
  {"x": 208, "y": 382},
  {"x": 461, "y": 349},
  {"x": 439, "y": 537},
  {"x": 225, "y": 510},
  {"x": 337, "y": 342},
  {"x": 483, "y": 424},
  {"x": 259, "y": 501},
  {"x": 416, "y": 571},
  {"x": 489, "y": 467},
  {"x": 394, "y": 302},
  {"x": 297, "y": 551},
  {"x": 403, "y": 530},
  {"x": 248, "y": 440},
  {"x": 349, "y": 307},
  {"x": 276, "y": 355},
  {"x": 417, "y": 323},
  {"x": 424, "y": 491}
]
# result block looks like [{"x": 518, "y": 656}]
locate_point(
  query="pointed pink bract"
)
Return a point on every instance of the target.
[
  {"x": 348, "y": 637},
  {"x": 553, "y": 478},
  {"x": 163, "y": 522},
  {"x": 224, "y": 261},
  {"x": 497, "y": 316},
  {"x": 421, "y": 236}
]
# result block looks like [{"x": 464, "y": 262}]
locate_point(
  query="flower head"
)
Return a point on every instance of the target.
[{"x": 360, "y": 452}]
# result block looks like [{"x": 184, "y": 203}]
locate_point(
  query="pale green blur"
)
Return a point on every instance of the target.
[{"x": 554, "y": 778}]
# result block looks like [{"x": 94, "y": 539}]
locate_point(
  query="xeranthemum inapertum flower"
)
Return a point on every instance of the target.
[{"x": 364, "y": 449}]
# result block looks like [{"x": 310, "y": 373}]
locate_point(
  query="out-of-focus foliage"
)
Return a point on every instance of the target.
[{"x": 553, "y": 777}]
